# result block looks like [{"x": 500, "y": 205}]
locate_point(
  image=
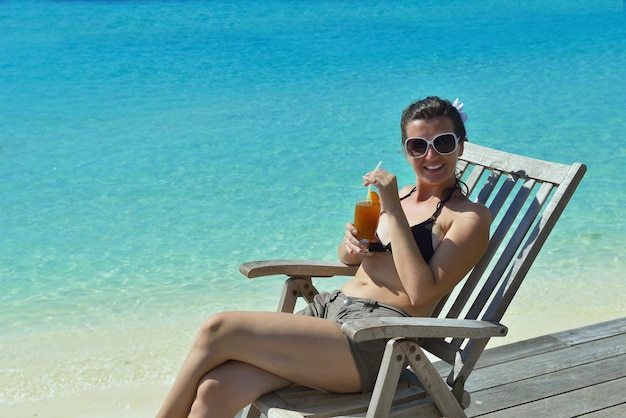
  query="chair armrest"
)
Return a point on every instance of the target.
[
  {"x": 296, "y": 268},
  {"x": 365, "y": 329}
]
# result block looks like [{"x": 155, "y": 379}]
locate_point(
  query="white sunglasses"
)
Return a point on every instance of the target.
[{"x": 445, "y": 143}]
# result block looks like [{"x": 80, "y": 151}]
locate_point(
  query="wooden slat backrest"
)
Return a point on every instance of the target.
[{"x": 533, "y": 194}]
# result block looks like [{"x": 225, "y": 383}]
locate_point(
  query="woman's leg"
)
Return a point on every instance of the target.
[
  {"x": 301, "y": 349},
  {"x": 214, "y": 397}
]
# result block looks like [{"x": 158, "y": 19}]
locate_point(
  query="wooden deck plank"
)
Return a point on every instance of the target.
[
  {"x": 537, "y": 365},
  {"x": 521, "y": 349},
  {"x": 569, "y": 404},
  {"x": 552, "y": 342},
  {"x": 548, "y": 385},
  {"x": 612, "y": 412},
  {"x": 510, "y": 352},
  {"x": 592, "y": 332}
]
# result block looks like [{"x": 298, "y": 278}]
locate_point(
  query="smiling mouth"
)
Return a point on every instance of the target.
[{"x": 433, "y": 167}]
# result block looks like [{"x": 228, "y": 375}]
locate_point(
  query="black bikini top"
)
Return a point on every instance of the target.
[{"x": 422, "y": 232}]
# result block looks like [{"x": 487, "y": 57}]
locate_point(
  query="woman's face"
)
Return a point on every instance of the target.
[{"x": 433, "y": 168}]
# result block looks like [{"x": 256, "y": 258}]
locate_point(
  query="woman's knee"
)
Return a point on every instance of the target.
[
  {"x": 213, "y": 327},
  {"x": 211, "y": 400}
]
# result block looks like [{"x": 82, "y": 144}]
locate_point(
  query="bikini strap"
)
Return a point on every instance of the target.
[
  {"x": 409, "y": 193},
  {"x": 449, "y": 193},
  {"x": 404, "y": 197}
]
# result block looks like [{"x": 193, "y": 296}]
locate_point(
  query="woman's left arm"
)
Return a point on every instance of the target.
[{"x": 463, "y": 245}]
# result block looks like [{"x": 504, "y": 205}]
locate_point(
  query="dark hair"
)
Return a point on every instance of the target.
[{"x": 430, "y": 108}]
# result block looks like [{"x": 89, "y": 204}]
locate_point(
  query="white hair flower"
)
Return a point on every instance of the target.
[{"x": 459, "y": 107}]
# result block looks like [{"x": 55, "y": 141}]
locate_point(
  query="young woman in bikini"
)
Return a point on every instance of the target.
[{"x": 429, "y": 236}]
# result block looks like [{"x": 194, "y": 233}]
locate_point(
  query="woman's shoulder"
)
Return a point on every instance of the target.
[
  {"x": 464, "y": 207},
  {"x": 405, "y": 190}
]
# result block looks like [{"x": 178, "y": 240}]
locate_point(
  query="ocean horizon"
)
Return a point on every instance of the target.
[{"x": 150, "y": 148}]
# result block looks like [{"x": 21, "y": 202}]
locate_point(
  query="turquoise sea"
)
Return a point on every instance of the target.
[{"x": 147, "y": 148}]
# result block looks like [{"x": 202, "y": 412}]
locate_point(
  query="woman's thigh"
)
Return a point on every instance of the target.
[{"x": 304, "y": 350}]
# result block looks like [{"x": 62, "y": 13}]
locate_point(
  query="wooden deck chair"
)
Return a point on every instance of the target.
[{"x": 526, "y": 197}]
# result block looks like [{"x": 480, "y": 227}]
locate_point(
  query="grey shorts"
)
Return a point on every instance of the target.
[{"x": 339, "y": 308}]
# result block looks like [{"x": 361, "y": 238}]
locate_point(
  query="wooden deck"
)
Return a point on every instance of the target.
[{"x": 580, "y": 372}]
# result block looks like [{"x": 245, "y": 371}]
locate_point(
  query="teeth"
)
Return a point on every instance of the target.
[{"x": 433, "y": 167}]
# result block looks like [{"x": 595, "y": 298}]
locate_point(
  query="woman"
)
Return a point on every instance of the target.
[{"x": 429, "y": 236}]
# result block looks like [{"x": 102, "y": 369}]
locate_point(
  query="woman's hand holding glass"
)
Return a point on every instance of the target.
[
  {"x": 352, "y": 243},
  {"x": 367, "y": 211}
]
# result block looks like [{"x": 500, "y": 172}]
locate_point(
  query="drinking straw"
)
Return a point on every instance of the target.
[{"x": 369, "y": 188}]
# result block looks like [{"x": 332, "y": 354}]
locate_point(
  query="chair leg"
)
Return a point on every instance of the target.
[
  {"x": 390, "y": 369},
  {"x": 294, "y": 287},
  {"x": 431, "y": 380}
]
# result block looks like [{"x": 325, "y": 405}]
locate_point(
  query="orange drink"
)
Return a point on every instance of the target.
[{"x": 366, "y": 216}]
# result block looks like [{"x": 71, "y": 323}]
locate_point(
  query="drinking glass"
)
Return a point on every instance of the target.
[{"x": 366, "y": 216}]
